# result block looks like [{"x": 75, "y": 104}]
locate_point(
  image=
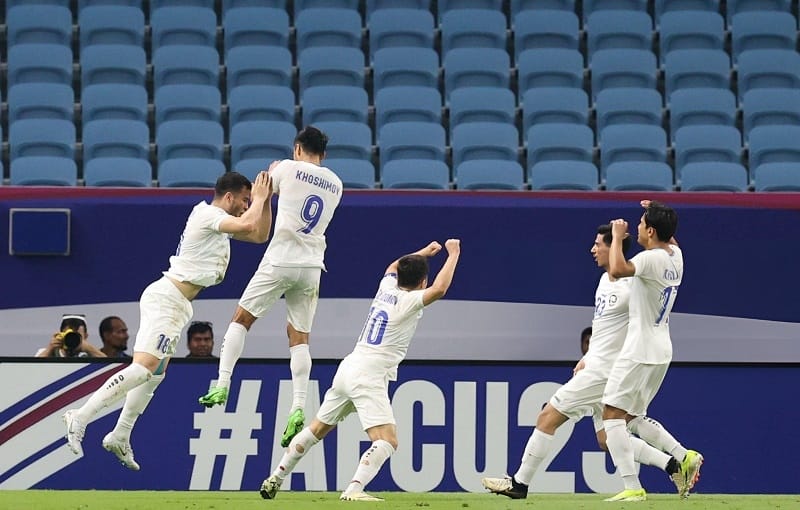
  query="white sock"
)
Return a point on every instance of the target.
[
  {"x": 229, "y": 353},
  {"x": 620, "y": 447},
  {"x": 112, "y": 390},
  {"x": 299, "y": 446},
  {"x": 643, "y": 453},
  {"x": 369, "y": 465},
  {"x": 135, "y": 403},
  {"x": 300, "y": 365},
  {"x": 535, "y": 451},
  {"x": 656, "y": 435}
]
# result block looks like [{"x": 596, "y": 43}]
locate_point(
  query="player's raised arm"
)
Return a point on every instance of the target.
[
  {"x": 618, "y": 267},
  {"x": 442, "y": 282},
  {"x": 429, "y": 251},
  {"x": 254, "y": 225}
]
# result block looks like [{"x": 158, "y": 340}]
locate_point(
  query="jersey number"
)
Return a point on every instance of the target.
[
  {"x": 375, "y": 326},
  {"x": 668, "y": 296},
  {"x": 311, "y": 213}
]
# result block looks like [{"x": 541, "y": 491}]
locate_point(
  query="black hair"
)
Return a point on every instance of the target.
[
  {"x": 105, "y": 325},
  {"x": 663, "y": 219},
  {"x": 411, "y": 271},
  {"x": 198, "y": 327},
  {"x": 231, "y": 182},
  {"x": 605, "y": 231},
  {"x": 312, "y": 141},
  {"x": 73, "y": 322},
  {"x": 586, "y": 332}
]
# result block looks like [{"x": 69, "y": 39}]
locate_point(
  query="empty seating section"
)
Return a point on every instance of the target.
[{"x": 663, "y": 95}]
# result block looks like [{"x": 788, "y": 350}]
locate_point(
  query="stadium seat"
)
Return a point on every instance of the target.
[
  {"x": 622, "y": 68},
  {"x": 691, "y": 30},
  {"x": 300, "y": 5},
  {"x": 43, "y": 171},
  {"x": 490, "y": 175},
  {"x": 778, "y": 177},
  {"x": 374, "y": 6},
  {"x": 115, "y": 101},
  {"x": 475, "y": 67},
  {"x": 700, "y": 144},
  {"x": 696, "y": 68},
  {"x": 334, "y": 103},
  {"x": 403, "y": 104},
  {"x": 625, "y": 105},
  {"x": 40, "y": 101},
  {"x": 322, "y": 27},
  {"x": 185, "y": 64},
  {"x": 713, "y": 176},
  {"x": 545, "y": 29},
  {"x": 116, "y": 153},
  {"x": 14, "y": 3},
  {"x": 198, "y": 4},
  {"x": 189, "y": 139},
  {"x": 664, "y": 6},
  {"x": 330, "y": 66},
  {"x": 639, "y": 176},
  {"x": 564, "y": 175},
  {"x": 632, "y": 142},
  {"x": 768, "y": 69},
  {"x": 41, "y": 137},
  {"x": 44, "y": 63},
  {"x": 113, "y": 64},
  {"x": 615, "y": 29},
  {"x": 554, "y": 104},
  {"x": 189, "y": 173},
  {"x": 484, "y": 141},
  {"x": 39, "y": 24},
  {"x": 256, "y": 144},
  {"x": 518, "y": 6},
  {"x": 415, "y": 174},
  {"x": 82, "y": 4},
  {"x": 228, "y": 5},
  {"x": 592, "y": 6},
  {"x": 763, "y": 107},
  {"x": 400, "y": 28},
  {"x": 354, "y": 173},
  {"x": 394, "y": 67},
  {"x": 256, "y": 26},
  {"x": 347, "y": 140},
  {"x": 261, "y": 102},
  {"x": 444, "y": 6},
  {"x": 701, "y": 106},
  {"x": 768, "y": 30},
  {"x": 187, "y": 102},
  {"x": 258, "y": 65},
  {"x": 121, "y": 172},
  {"x": 549, "y": 68},
  {"x": 739, "y": 6},
  {"x": 411, "y": 140},
  {"x": 773, "y": 144},
  {"x": 183, "y": 26},
  {"x": 482, "y": 104},
  {"x": 559, "y": 142},
  {"x": 473, "y": 28},
  {"x": 111, "y": 24}
]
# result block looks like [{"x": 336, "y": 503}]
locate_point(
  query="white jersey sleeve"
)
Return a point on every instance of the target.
[{"x": 203, "y": 251}]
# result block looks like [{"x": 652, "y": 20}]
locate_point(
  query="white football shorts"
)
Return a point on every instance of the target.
[
  {"x": 357, "y": 390},
  {"x": 300, "y": 285},
  {"x": 632, "y": 385},
  {"x": 581, "y": 395},
  {"x": 163, "y": 313}
]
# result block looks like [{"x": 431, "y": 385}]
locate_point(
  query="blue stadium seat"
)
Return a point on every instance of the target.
[
  {"x": 322, "y": 27},
  {"x": 415, "y": 174},
  {"x": 39, "y": 24},
  {"x": 347, "y": 140},
  {"x": 43, "y": 171},
  {"x": 120, "y": 172},
  {"x": 664, "y": 6},
  {"x": 45, "y": 63},
  {"x": 394, "y": 67},
  {"x": 559, "y": 142},
  {"x": 691, "y": 30},
  {"x": 14, "y": 3},
  {"x": 564, "y": 175},
  {"x": 773, "y": 144},
  {"x": 738, "y": 6},
  {"x": 625, "y": 105},
  {"x": 622, "y": 68},
  {"x": 256, "y": 26},
  {"x": 475, "y": 67},
  {"x": 189, "y": 173},
  {"x": 256, "y": 144},
  {"x": 632, "y": 143},
  {"x": 354, "y": 173},
  {"x": 592, "y": 6},
  {"x": 183, "y": 26},
  {"x": 768, "y": 69},
  {"x": 111, "y": 24},
  {"x": 41, "y": 152},
  {"x": 185, "y": 64},
  {"x": 189, "y": 139},
  {"x": 83, "y": 4},
  {"x": 411, "y": 140},
  {"x": 554, "y": 104},
  {"x": 258, "y": 65},
  {"x": 696, "y": 68},
  {"x": 482, "y": 104},
  {"x": 764, "y": 107},
  {"x": 615, "y": 29},
  {"x": 228, "y": 5},
  {"x": 198, "y": 4},
  {"x": 300, "y": 5},
  {"x": 261, "y": 102},
  {"x": 713, "y": 176},
  {"x": 473, "y": 28},
  {"x": 113, "y": 63},
  {"x": 545, "y": 29},
  {"x": 445, "y": 6},
  {"x": 490, "y": 175},
  {"x": 116, "y": 152},
  {"x": 40, "y": 101},
  {"x": 549, "y": 68},
  {"x": 187, "y": 102},
  {"x": 403, "y": 104},
  {"x": 639, "y": 176},
  {"x": 374, "y": 6},
  {"x": 700, "y": 144},
  {"x": 331, "y": 66},
  {"x": 701, "y": 106},
  {"x": 403, "y": 28},
  {"x": 778, "y": 177},
  {"x": 518, "y": 6},
  {"x": 763, "y": 31},
  {"x": 124, "y": 102},
  {"x": 484, "y": 141},
  {"x": 334, "y": 103}
]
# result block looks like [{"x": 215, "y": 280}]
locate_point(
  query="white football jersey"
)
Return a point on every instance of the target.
[
  {"x": 653, "y": 292},
  {"x": 203, "y": 252},
  {"x": 308, "y": 196},
  {"x": 610, "y": 323},
  {"x": 390, "y": 325}
]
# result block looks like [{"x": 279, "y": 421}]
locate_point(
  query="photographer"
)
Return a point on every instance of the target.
[{"x": 70, "y": 341}]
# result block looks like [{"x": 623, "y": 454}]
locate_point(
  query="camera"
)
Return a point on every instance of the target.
[{"x": 72, "y": 340}]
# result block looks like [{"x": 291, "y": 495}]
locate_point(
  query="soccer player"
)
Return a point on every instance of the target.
[
  {"x": 240, "y": 210},
  {"x": 639, "y": 370},
  {"x": 308, "y": 196},
  {"x": 361, "y": 382}
]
